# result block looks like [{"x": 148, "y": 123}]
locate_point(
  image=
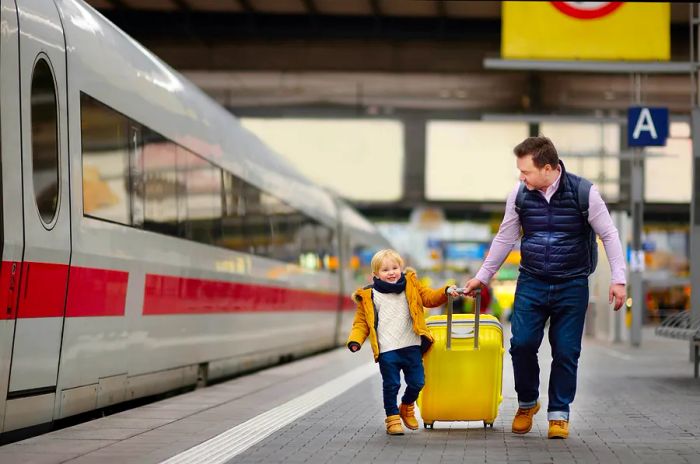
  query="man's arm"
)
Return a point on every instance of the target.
[
  {"x": 601, "y": 222},
  {"x": 508, "y": 234}
]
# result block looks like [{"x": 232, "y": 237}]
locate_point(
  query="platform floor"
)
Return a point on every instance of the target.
[{"x": 633, "y": 406}]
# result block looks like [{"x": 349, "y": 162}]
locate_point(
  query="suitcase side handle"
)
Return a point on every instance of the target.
[{"x": 477, "y": 312}]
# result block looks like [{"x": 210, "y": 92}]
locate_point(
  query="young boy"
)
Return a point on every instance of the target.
[{"x": 390, "y": 312}]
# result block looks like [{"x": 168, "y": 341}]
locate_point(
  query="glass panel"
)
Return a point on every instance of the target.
[
  {"x": 202, "y": 199},
  {"x": 284, "y": 223},
  {"x": 233, "y": 236},
  {"x": 105, "y": 146},
  {"x": 340, "y": 154},
  {"x": 256, "y": 225},
  {"x": 44, "y": 113},
  {"x": 589, "y": 150},
  {"x": 160, "y": 184},
  {"x": 669, "y": 178},
  {"x": 459, "y": 153}
]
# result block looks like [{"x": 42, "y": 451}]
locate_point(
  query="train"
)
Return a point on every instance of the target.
[{"x": 149, "y": 242}]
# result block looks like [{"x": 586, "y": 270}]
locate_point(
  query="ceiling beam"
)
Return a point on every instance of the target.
[
  {"x": 117, "y": 4},
  {"x": 182, "y": 5},
  {"x": 376, "y": 9},
  {"x": 310, "y": 6},
  {"x": 247, "y": 7}
]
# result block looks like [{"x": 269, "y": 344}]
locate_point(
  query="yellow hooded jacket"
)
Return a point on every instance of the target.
[{"x": 417, "y": 295}]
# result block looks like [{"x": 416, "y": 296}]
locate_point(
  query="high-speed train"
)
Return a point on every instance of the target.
[{"x": 149, "y": 243}]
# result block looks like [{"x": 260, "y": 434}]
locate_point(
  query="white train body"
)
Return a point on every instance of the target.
[{"x": 122, "y": 282}]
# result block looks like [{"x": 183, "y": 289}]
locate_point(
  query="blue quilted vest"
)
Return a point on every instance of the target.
[{"x": 557, "y": 243}]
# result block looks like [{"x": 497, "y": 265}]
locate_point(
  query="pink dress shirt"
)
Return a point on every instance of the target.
[{"x": 509, "y": 233}]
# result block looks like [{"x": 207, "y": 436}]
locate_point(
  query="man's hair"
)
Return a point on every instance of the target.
[
  {"x": 542, "y": 151},
  {"x": 381, "y": 255}
]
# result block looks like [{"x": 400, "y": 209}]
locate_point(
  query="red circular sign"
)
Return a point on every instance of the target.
[{"x": 587, "y": 10}]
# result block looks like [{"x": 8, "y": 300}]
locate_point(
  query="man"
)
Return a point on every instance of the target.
[{"x": 558, "y": 253}]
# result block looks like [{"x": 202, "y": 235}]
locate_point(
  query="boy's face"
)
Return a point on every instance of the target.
[{"x": 389, "y": 271}]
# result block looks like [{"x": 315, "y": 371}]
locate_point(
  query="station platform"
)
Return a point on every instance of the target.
[{"x": 634, "y": 405}]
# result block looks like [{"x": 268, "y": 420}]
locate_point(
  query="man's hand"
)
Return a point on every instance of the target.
[
  {"x": 617, "y": 293},
  {"x": 471, "y": 285},
  {"x": 354, "y": 346}
]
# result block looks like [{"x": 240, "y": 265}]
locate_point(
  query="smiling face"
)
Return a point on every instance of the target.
[
  {"x": 535, "y": 178},
  {"x": 389, "y": 271}
]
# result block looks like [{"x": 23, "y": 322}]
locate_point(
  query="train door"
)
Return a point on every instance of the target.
[{"x": 46, "y": 215}]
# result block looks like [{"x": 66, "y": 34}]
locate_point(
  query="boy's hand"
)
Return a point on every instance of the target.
[
  {"x": 354, "y": 346},
  {"x": 452, "y": 291}
]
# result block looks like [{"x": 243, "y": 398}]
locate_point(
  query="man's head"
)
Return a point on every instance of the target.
[{"x": 538, "y": 162}]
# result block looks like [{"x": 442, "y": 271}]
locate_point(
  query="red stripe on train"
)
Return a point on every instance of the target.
[
  {"x": 96, "y": 292},
  {"x": 91, "y": 292},
  {"x": 8, "y": 285},
  {"x": 43, "y": 290},
  {"x": 180, "y": 295}
]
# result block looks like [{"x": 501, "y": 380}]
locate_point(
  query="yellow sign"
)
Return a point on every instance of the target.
[{"x": 586, "y": 30}]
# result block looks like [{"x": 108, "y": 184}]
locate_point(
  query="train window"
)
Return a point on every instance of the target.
[
  {"x": 136, "y": 185},
  {"x": 160, "y": 183},
  {"x": 44, "y": 113},
  {"x": 284, "y": 226},
  {"x": 202, "y": 199},
  {"x": 105, "y": 149},
  {"x": 256, "y": 224},
  {"x": 233, "y": 236},
  {"x": 134, "y": 176}
]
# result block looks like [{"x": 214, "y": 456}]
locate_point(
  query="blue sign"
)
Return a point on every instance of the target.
[
  {"x": 647, "y": 126},
  {"x": 465, "y": 251}
]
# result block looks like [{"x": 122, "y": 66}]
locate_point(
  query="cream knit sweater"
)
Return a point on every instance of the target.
[{"x": 395, "y": 328}]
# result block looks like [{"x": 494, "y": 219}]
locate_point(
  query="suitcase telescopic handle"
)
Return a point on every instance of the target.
[{"x": 477, "y": 312}]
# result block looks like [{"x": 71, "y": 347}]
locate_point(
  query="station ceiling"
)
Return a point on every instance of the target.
[{"x": 381, "y": 55}]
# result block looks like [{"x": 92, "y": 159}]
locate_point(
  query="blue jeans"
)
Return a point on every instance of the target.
[
  {"x": 564, "y": 304},
  {"x": 391, "y": 363}
]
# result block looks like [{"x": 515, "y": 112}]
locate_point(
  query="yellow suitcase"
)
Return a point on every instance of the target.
[{"x": 463, "y": 368}]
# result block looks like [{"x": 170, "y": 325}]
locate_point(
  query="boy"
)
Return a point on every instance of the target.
[{"x": 390, "y": 312}]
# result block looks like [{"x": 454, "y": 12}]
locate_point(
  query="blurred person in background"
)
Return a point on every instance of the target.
[{"x": 560, "y": 214}]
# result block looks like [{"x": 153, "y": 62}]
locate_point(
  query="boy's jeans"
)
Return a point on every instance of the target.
[
  {"x": 565, "y": 305},
  {"x": 391, "y": 363}
]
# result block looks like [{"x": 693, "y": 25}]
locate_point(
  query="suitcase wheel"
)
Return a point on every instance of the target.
[
  {"x": 488, "y": 424},
  {"x": 428, "y": 425}
]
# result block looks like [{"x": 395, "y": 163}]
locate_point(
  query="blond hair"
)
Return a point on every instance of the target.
[{"x": 381, "y": 255}]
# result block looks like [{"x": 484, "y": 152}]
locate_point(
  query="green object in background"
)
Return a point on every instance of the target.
[{"x": 507, "y": 273}]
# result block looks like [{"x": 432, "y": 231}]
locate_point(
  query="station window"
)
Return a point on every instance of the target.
[{"x": 44, "y": 115}]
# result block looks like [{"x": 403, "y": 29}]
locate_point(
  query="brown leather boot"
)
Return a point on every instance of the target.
[
  {"x": 393, "y": 425},
  {"x": 407, "y": 413},
  {"x": 558, "y": 429},
  {"x": 522, "y": 422}
]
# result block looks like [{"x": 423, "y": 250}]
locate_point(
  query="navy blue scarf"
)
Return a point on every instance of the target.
[{"x": 388, "y": 287}]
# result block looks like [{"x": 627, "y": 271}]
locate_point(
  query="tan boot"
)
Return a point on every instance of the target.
[
  {"x": 522, "y": 423},
  {"x": 393, "y": 425},
  {"x": 407, "y": 413},
  {"x": 558, "y": 429}
]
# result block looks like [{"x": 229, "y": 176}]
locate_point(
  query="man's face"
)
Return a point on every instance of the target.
[{"x": 535, "y": 178}]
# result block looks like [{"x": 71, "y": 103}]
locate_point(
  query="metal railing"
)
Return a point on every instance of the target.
[{"x": 681, "y": 327}]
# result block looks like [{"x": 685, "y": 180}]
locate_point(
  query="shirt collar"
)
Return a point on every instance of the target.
[{"x": 555, "y": 185}]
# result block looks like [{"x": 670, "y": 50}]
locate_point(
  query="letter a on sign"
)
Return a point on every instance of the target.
[{"x": 647, "y": 126}]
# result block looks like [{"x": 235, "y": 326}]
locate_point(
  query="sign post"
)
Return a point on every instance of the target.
[{"x": 645, "y": 127}]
